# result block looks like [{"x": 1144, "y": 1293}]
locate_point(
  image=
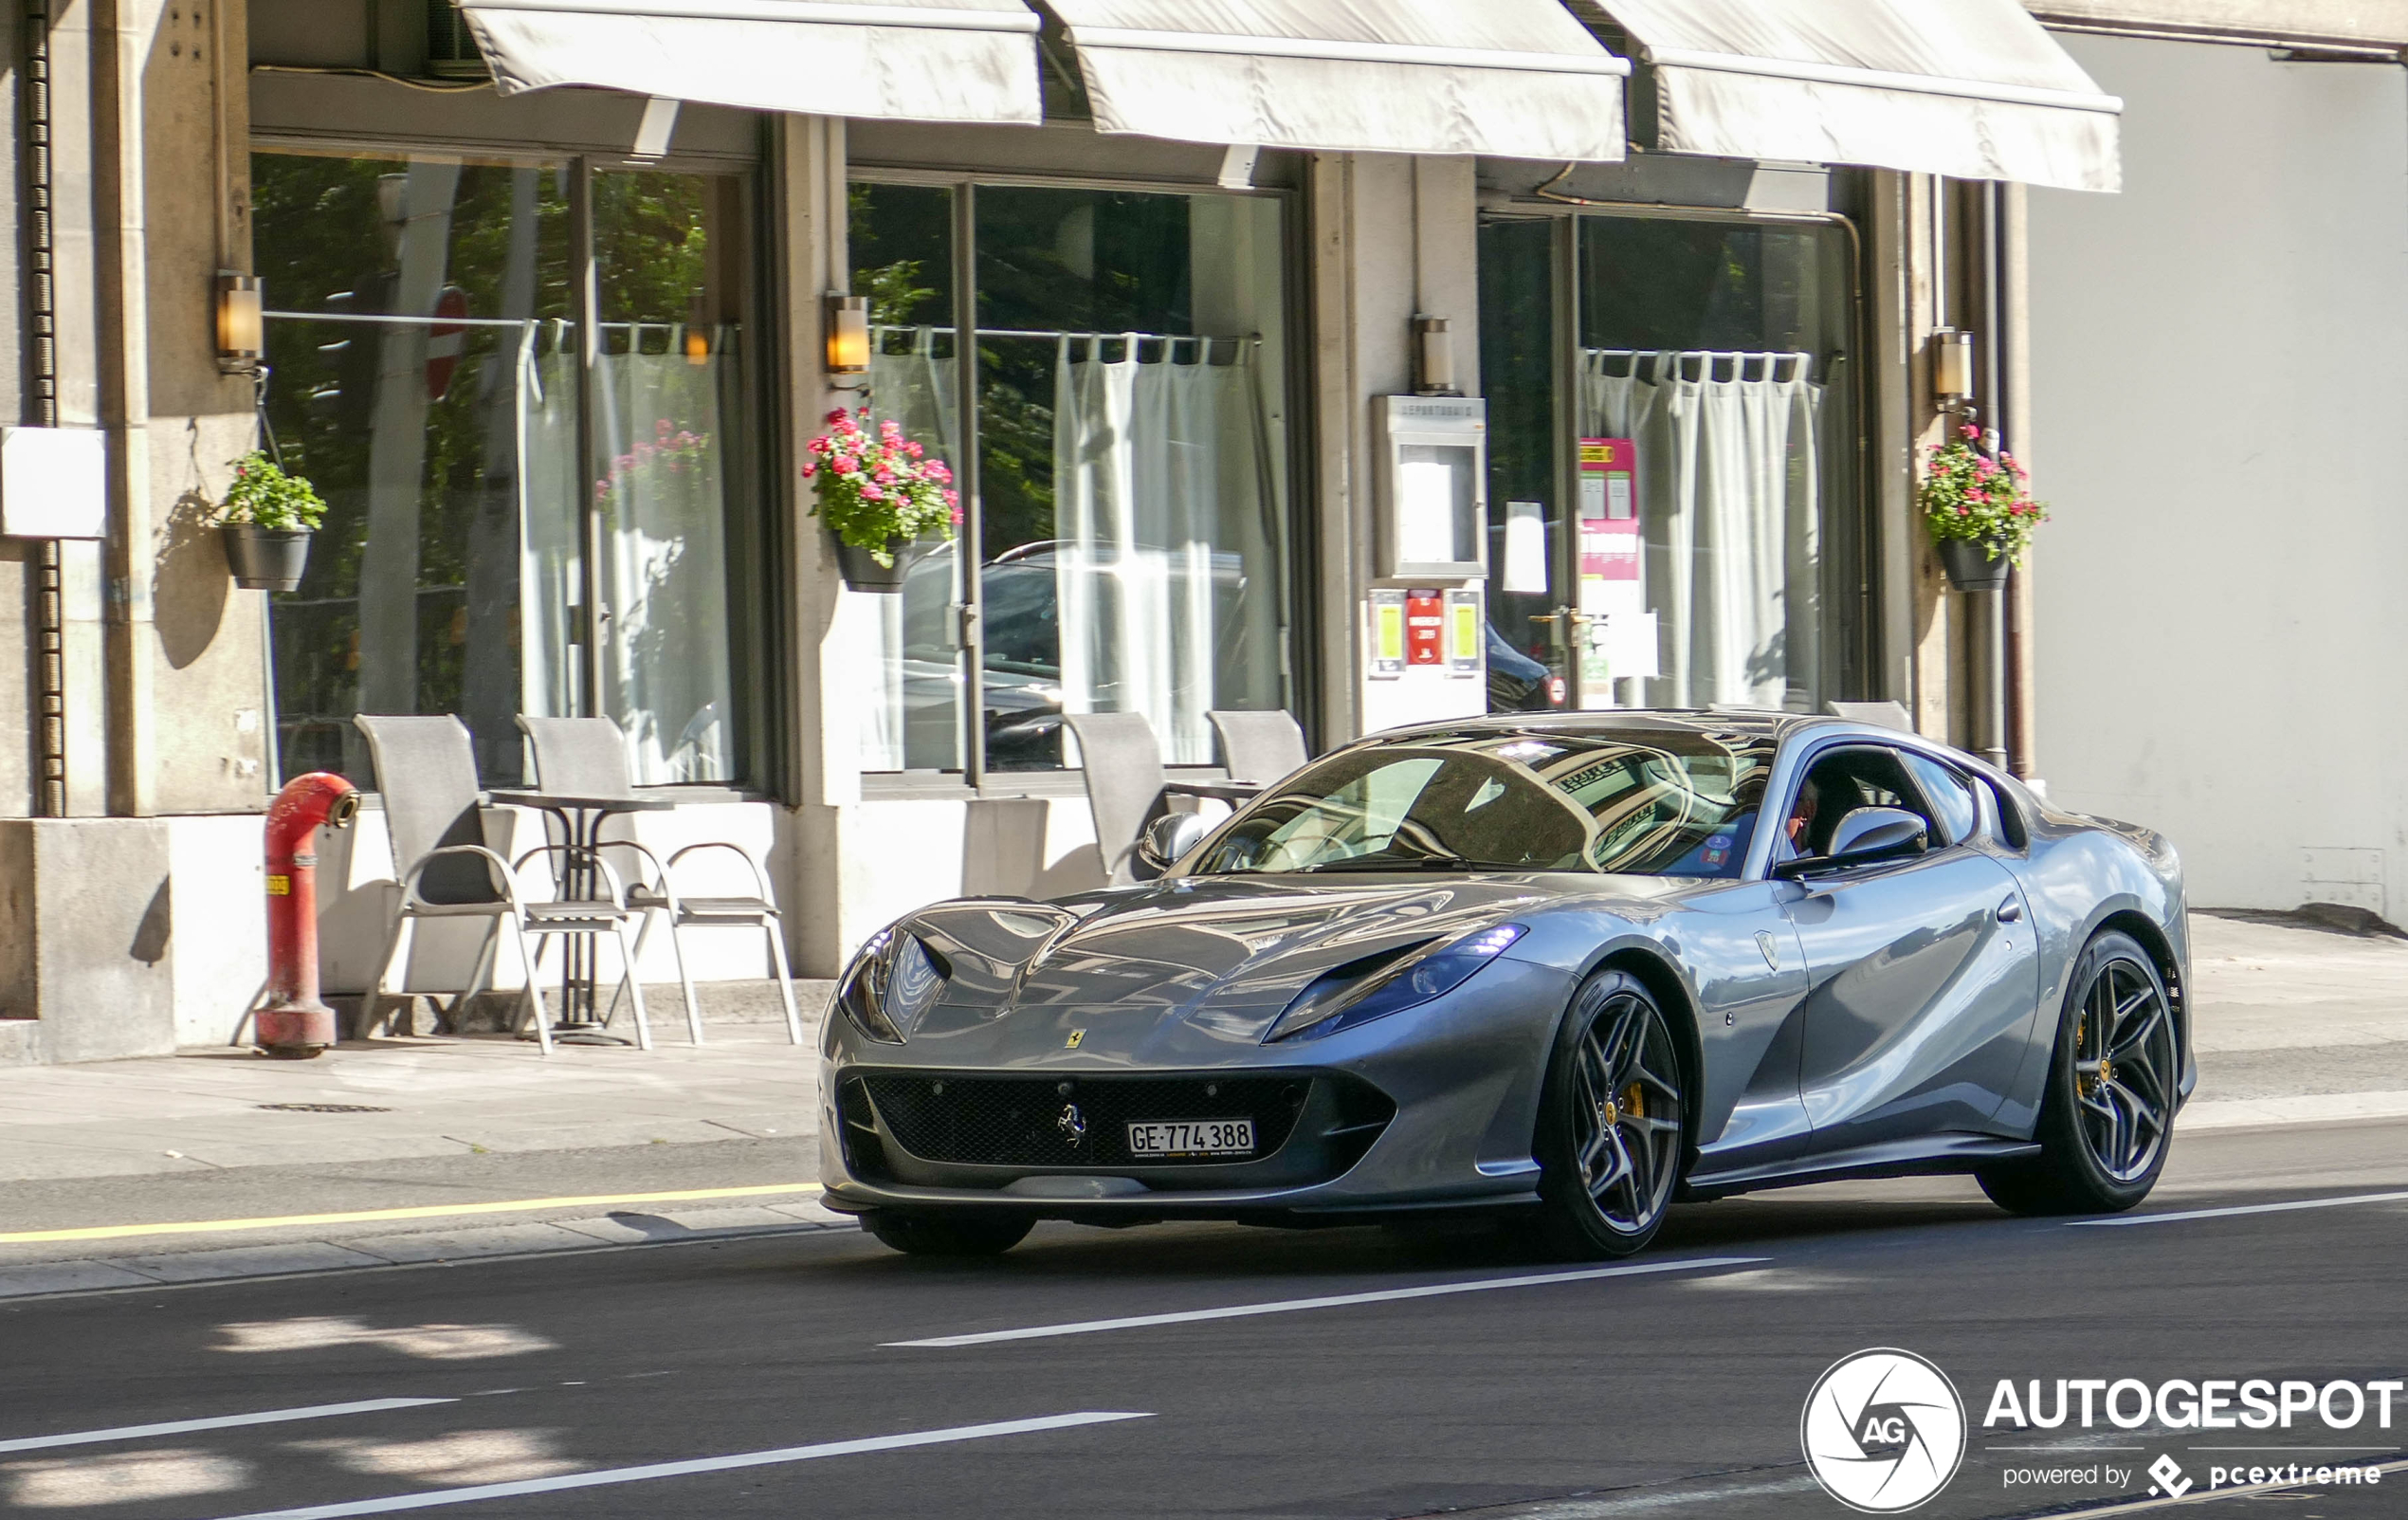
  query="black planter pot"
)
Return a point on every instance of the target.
[
  {"x": 862, "y": 573},
  {"x": 267, "y": 559},
  {"x": 1970, "y": 567}
]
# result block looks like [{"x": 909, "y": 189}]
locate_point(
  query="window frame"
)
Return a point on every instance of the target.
[
  {"x": 1851, "y": 586},
  {"x": 1303, "y": 608}
]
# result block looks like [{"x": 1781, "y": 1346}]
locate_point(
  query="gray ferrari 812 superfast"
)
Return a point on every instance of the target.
[{"x": 1566, "y": 969}]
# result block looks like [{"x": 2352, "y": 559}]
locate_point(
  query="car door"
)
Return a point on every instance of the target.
[{"x": 1922, "y": 976}]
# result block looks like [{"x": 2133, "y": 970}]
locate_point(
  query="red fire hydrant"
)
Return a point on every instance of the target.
[{"x": 293, "y": 1023}]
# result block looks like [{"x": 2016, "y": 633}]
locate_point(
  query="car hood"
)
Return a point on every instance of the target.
[{"x": 1227, "y": 954}]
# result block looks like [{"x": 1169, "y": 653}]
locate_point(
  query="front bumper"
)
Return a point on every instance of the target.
[{"x": 1429, "y": 1109}]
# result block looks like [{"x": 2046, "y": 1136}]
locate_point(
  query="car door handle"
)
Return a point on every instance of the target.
[{"x": 2011, "y": 911}]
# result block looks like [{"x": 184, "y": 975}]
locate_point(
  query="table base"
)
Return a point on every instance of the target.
[{"x": 580, "y": 1031}]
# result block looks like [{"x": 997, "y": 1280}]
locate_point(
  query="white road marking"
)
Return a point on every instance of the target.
[
  {"x": 700, "y": 1464},
  {"x": 2248, "y": 1208},
  {"x": 177, "y": 1427},
  {"x": 1289, "y": 1306}
]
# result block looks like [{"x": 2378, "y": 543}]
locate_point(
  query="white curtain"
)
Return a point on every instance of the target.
[
  {"x": 915, "y": 388},
  {"x": 548, "y": 551},
  {"x": 1729, "y": 496},
  {"x": 665, "y": 555},
  {"x": 1166, "y": 564}
]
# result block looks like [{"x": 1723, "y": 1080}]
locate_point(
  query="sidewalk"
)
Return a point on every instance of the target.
[
  {"x": 388, "y": 1098},
  {"x": 432, "y": 1149},
  {"x": 2296, "y": 1023}
]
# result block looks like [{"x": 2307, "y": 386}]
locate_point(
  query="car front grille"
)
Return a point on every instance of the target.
[{"x": 986, "y": 1121}]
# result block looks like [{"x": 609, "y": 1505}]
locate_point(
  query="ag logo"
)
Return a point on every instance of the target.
[{"x": 1883, "y": 1431}]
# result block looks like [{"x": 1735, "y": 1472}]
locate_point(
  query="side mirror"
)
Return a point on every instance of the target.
[
  {"x": 1168, "y": 837},
  {"x": 1865, "y": 836}
]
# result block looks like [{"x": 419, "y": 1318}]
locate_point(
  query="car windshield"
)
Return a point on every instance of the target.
[{"x": 1657, "y": 802}]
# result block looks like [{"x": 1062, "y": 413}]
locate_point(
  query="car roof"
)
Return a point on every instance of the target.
[{"x": 1778, "y": 727}]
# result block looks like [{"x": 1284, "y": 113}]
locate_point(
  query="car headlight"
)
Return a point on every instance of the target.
[
  {"x": 1344, "y": 998},
  {"x": 893, "y": 981}
]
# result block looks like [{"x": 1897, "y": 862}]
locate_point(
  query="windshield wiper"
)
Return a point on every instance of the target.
[{"x": 1431, "y": 862}]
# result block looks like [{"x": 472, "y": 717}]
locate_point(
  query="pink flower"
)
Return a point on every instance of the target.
[
  {"x": 809, "y": 470},
  {"x": 1963, "y": 512},
  {"x": 840, "y": 414},
  {"x": 957, "y": 514},
  {"x": 953, "y": 498},
  {"x": 914, "y": 451},
  {"x": 1968, "y": 432},
  {"x": 661, "y": 428},
  {"x": 871, "y": 493}
]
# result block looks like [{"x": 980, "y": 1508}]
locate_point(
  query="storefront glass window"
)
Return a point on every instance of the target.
[
  {"x": 1717, "y": 350},
  {"x": 423, "y": 374},
  {"x": 1130, "y": 510},
  {"x": 1677, "y": 474}
]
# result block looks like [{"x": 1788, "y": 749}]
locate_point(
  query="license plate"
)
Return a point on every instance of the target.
[{"x": 1194, "y": 1137}]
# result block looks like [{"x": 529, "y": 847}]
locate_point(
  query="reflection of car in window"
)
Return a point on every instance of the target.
[
  {"x": 1516, "y": 682},
  {"x": 1020, "y": 619}
]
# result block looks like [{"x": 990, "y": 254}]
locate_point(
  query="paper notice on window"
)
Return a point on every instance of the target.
[
  {"x": 1425, "y": 512},
  {"x": 1629, "y": 644},
  {"x": 1526, "y": 549}
]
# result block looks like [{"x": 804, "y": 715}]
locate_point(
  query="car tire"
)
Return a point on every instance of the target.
[
  {"x": 951, "y": 1233},
  {"x": 1611, "y": 1139},
  {"x": 2106, "y": 1114}
]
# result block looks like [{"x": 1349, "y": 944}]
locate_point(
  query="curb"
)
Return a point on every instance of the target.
[
  {"x": 623, "y": 1230},
  {"x": 2266, "y": 1114}
]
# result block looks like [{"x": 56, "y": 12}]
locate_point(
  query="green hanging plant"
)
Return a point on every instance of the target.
[{"x": 264, "y": 496}]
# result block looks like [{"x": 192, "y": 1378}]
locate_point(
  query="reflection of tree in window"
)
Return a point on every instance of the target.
[
  {"x": 902, "y": 247},
  {"x": 1060, "y": 261}
]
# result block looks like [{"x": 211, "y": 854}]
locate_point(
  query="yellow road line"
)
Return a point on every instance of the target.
[{"x": 432, "y": 1211}]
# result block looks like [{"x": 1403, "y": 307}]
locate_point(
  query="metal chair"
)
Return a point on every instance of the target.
[
  {"x": 1260, "y": 746},
  {"x": 427, "y": 775},
  {"x": 587, "y": 756},
  {"x": 1124, "y": 771}
]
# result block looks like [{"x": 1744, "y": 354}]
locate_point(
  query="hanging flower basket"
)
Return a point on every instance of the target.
[
  {"x": 1981, "y": 516},
  {"x": 267, "y": 559},
  {"x": 267, "y": 518},
  {"x": 1974, "y": 566},
  {"x": 884, "y": 500},
  {"x": 861, "y": 570}
]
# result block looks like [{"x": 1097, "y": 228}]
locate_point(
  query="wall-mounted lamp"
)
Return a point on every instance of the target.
[
  {"x": 847, "y": 335},
  {"x": 241, "y": 333},
  {"x": 1952, "y": 368},
  {"x": 1433, "y": 357}
]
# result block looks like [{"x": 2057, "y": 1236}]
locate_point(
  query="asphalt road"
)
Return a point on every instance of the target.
[{"x": 1666, "y": 1393}]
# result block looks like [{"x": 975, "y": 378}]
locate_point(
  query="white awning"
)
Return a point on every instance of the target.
[
  {"x": 909, "y": 60},
  {"x": 1518, "y": 79},
  {"x": 1969, "y": 88}
]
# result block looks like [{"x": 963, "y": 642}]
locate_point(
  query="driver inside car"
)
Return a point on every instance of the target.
[{"x": 1797, "y": 832}]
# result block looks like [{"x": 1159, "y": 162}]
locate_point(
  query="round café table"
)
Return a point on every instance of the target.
[{"x": 581, "y": 817}]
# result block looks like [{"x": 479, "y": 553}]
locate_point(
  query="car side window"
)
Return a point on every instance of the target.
[
  {"x": 1838, "y": 784},
  {"x": 1952, "y": 800}
]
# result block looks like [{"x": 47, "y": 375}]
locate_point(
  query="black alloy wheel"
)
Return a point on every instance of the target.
[
  {"x": 1613, "y": 1120},
  {"x": 952, "y": 1233},
  {"x": 2107, "y": 1117}
]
